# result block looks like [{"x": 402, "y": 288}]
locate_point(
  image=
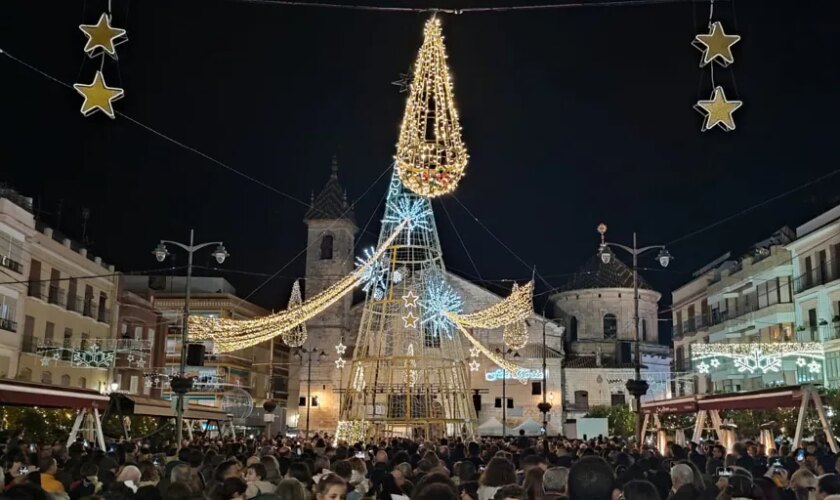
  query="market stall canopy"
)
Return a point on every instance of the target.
[
  {"x": 530, "y": 426},
  {"x": 491, "y": 427},
  {"x": 16, "y": 393},
  {"x": 764, "y": 399}
]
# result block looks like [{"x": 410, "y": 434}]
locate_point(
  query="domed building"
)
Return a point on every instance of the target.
[{"x": 596, "y": 305}]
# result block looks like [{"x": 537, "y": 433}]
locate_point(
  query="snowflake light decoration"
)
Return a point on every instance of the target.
[
  {"x": 439, "y": 299},
  {"x": 147, "y": 383},
  {"x": 756, "y": 360},
  {"x": 702, "y": 367},
  {"x": 141, "y": 363},
  {"x": 93, "y": 357},
  {"x": 375, "y": 274},
  {"x": 397, "y": 276},
  {"x": 418, "y": 212},
  {"x": 814, "y": 367},
  {"x": 130, "y": 358},
  {"x": 800, "y": 362},
  {"x": 474, "y": 365},
  {"x": 45, "y": 361},
  {"x": 715, "y": 363}
]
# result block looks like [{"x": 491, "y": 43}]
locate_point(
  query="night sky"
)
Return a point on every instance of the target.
[{"x": 571, "y": 117}]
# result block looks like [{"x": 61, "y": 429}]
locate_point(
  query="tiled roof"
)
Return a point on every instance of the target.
[
  {"x": 596, "y": 274},
  {"x": 331, "y": 202}
]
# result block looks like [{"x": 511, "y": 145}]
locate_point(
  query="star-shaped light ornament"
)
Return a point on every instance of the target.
[
  {"x": 102, "y": 37},
  {"x": 702, "y": 367},
  {"x": 474, "y": 352},
  {"x": 147, "y": 383},
  {"x": 339, "y": 363},
  {"x": 814, "y": 367},
  {"x": 45, "y": 361},
  {"x": 98, "y": 95},
  {"x": 718, "y": 111},
  {"x": 340, "y": 348},
  {"x": 715, "y": 363},
  {"x": 716, "y": 45},
  {"x": 410, "y": 320},
  {"x": 474, "y": 365},
  {"x": 410, "y": 299},
  {"x": 141, "y": 363},
  {"x": 800, "y": 362}
]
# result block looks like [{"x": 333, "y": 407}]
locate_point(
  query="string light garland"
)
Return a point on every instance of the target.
[
  {"x": 516, "y": 307},
  {"x": 231, "y": 335},
  {"x": 757, "y": 357},
  {"x": 515, "y": 335},
  {"x": 297, "y": 336},
  {"x": 431, "y": 157},
  {"x": 492, "y": 356}
]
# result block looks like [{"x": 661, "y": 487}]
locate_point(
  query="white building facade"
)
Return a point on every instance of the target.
[{"x": 815, "y": 260}]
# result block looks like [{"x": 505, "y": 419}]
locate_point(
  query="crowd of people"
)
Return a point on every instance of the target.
[{"x": 518, "y": 468}]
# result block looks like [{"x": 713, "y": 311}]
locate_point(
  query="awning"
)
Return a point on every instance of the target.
[
  {"x": 765, "y": 399},
  {"x": 685, "y": 404},
  {"x": 150, "y": 407},
  {"x": 16, "y": 393}
]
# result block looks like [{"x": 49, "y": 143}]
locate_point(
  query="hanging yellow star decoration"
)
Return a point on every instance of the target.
[
  {"x": 98, "y": 95},
  {"x": 718, "y": 111},
  {"x": 716, "y": 46},
  {"x": 102, "y": 36}
]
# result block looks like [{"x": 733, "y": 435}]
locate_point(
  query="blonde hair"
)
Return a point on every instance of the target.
[{"x": 804, "y": 484}]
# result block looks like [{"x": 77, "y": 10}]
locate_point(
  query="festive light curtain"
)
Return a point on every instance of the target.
[{"x": 517, "y": 307}]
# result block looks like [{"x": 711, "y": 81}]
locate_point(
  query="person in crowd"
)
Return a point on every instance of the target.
[
  {"x": 290, "y": 489},
  {"x": 257, "y": 483},
  {"x": 638, "y": 489},
  {"x": 803, "y": 485},
  {"x": 330, "y": 487},
  {"x": 828, "y": 484},
  {"x": 499, "y": 472},
  {"x": 48, "y": 468},
  {"x": 554, "y": 483},
  {"x": 682, "y": 483},
  {"x": 590, "y": 478},
  {"x": 533, "y": 483}
]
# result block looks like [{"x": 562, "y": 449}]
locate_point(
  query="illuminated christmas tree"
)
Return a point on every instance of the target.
[{"x": 408, "y": 375}]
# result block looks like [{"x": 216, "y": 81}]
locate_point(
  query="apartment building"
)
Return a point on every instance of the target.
[
  {"x": 68, "y": 314},
  {"x": 815, "y": 256},
  {"x": 258, "y": 371},
  {"x": 17, "y": 222}
]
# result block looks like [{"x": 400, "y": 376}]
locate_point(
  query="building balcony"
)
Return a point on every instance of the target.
[
  {"x": 692, "y": 325},
  {"x": 8, "y": 325},
  {"x": 744, "y": 317},
  {"x": 826, "y": 273},
  {"x": 56, "y": 296},
  {"x": 37, "y": 289},
  {"x": 10, "y": 264}
]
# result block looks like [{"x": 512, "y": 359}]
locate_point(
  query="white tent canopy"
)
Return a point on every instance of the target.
[
  {"x": 530, "y": 426},
  {"x": 492, "y": 427}
]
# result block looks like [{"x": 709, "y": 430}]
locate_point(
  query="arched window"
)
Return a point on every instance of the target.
[
  {"x": 83, "y": 382},
  {"x": 573, "y": 326},
  {"x": 65, "y": 380},
  {"x": 610, "y": 326},
  {"x": 25, "y": 374},
  {"x": 46, "y": 378},
  {"x": 327, "y": 247},
  {"x": 581, "y": 400}
]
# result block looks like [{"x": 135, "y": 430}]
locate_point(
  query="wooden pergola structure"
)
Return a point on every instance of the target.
[{"x": 707, "y": 407}]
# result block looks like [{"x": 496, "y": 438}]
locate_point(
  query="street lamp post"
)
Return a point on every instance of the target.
[
  {"x": 504, "y": 353},
  {"x": 299, "y": 355},
  {"x": 636, "y": 387},
  {"x": 545, "y": 406},
  {"x": 181, "y": 384}
]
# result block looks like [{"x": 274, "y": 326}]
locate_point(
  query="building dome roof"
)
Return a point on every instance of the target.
[{"x": 595, "y": 274}]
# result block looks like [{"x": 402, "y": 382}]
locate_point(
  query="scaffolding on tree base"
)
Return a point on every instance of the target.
[{"x": 408, "y": 376}]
